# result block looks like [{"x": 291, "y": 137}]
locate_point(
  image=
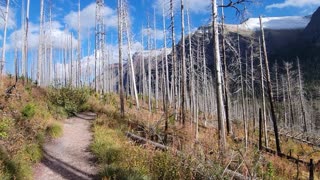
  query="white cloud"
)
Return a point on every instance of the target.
[
  {"x": 11, "y": 18},
  {"x": 195, "y": 6},
  {"x": 59, "y": 36},
  {"x": 111, "y": 51},
  {"x": 158, "y": 34},
  {"x": 87, "y": 17},
  {"x": 295, "y": 3}
]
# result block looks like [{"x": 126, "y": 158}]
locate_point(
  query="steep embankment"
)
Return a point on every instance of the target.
[{"x": 26, "y": 120}]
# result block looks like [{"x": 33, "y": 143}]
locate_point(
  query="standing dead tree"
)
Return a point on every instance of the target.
[
  {"x": 183, "y": 59},
  {"x": 216, "y": 50},
  {"x": 120, "y": 29},
  {"x": 273, "y": 115},
  {"x": 128, "y": 35}
]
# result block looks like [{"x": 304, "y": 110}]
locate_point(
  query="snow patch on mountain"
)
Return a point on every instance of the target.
[{"x": 277, "y": 23}]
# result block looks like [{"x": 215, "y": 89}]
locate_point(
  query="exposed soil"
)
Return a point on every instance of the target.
[{"x": 68, "y": 157}]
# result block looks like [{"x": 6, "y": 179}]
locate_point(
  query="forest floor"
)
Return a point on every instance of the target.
[{"x": 69, "y": 156}]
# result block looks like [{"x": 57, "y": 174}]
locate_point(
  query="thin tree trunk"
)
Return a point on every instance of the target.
[
  {"x": 40, "y": 55},
  {"x": 245, "y": 126},
  {"x": 51, "y": 48},
  {"x": 264, "y": 114},
  {"x": 289, "y": 94},
  {"x": 3, "y": 60},
  {"x": 174, "y": 73},
  {"x": 149, "y": 68},
  {"x": 25, "y": 44},
  {"x": 225, "y": 74},
  {"x": 301, "y": 97},
  {"x": 220, "y": 106},
  {"x": 156, "y": 61},
  {"x": 165, "y": 55},
  {"x": 120, "y": 18},
  {"x": 131, "y": 63},
  {"x": 253, "y": 90},
  {"x": 79, "y": 48},
  {"x": 273, "y": 115},
  {"x": 184, "y": 78},
  {"x": 192, "y": 85}
]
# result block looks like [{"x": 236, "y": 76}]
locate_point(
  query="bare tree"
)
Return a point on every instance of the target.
[
  {"x": 288, "y": 67},
  {"x": 301, "y": 97},
  {"x": 25, "y": 43},
  {"x": 40, "y": 49},
  {"x": 3, "y": 60},
  {"x": 165, "y": 54},
  {"x": 225, "y": 74},
  {"x": 273, "y": 116},
  {"x": 130, "y": 58},
  {"x": 264, "y": 113},
  {"x": 183, "y": 59},
  {"x": 120, "y": 24},
  {"x": 174, "y": 81},
  {"x": 220, "y": 104},
  {"x": 78, "y": 80}
]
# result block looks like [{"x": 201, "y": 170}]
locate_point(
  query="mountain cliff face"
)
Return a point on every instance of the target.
[
  {"x": 312, "y": 32},
  {"x": 286, "y": 38},
  {"x": 288, "y": 45}
]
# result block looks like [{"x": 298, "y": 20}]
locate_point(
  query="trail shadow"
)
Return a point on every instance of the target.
[{"x": 66, "y": 170}]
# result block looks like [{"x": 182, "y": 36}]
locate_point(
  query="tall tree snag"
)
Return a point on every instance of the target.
[
  {"x": 120, "y": 18},
  {"x": 219, "y": 94},
  {"x": 273, "y": 115}
]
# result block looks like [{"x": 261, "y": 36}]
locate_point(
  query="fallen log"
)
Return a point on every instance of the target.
[
  {"x": 142, "y": 140},
  {"x": 85, "y": 116},
  {"x": 296, "y": 138}
]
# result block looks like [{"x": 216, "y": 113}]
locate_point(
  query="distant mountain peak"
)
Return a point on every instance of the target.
[
  {"x": 312, "y": 31},
  {"x": 277, "y": 23}
]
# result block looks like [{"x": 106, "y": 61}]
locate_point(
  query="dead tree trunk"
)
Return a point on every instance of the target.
[
  {"x": 133, "y": 76},
  {"x": 216, "y": 50},
  {"x": 264, "y": 114},
  {"x": 3, "y": 60},
  {"x": 183, "y": 59},
  {"x": 40, "y": 55},
  {"x": 301, "y": 97},
  {"x": 288, "y": 67},
  {"x": 273, "y": 115},
  {"x": 120, "y": 18},
  {"x": 225, "y": 75}
]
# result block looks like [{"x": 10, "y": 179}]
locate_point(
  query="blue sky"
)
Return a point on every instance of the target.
[{"x": 65, "y": 18}]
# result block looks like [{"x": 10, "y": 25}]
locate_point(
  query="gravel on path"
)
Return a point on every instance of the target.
[{"x": 68, "y": 157}]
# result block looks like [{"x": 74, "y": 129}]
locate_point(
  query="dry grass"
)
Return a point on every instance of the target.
[
  {"x": 24, "y": 116},
  {"x": 249, "y": 162}
]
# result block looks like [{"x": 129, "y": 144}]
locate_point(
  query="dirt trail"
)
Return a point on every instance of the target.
[{"x": 69, "y": 157}]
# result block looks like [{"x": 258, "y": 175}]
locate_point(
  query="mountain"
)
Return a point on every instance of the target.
[
  {"x": 312, "y": 32},
  {"x": 277, "y": 23},
  {"x": 287, "y": 38}
]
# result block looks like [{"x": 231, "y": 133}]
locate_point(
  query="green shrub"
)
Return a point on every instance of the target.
[
  {"x": 55, "y": 130},
  {"x": 23, "y": 167},
  {"x": 17, "y": 167},
  {"x": 40, "y": 138},
  {"x": 270, "y": 171},
  {"x": 164, "y": 166},
  {"x": 114, "y": 172},
  {"x": 106, "y": 150},
  {"x": 110, "y": 98},
  {"x": 34, "y": 151},
  {"x": 28, "y": 111},
  {"x": 69, "y": 98},
  {"x": 5, "y": 125}
]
